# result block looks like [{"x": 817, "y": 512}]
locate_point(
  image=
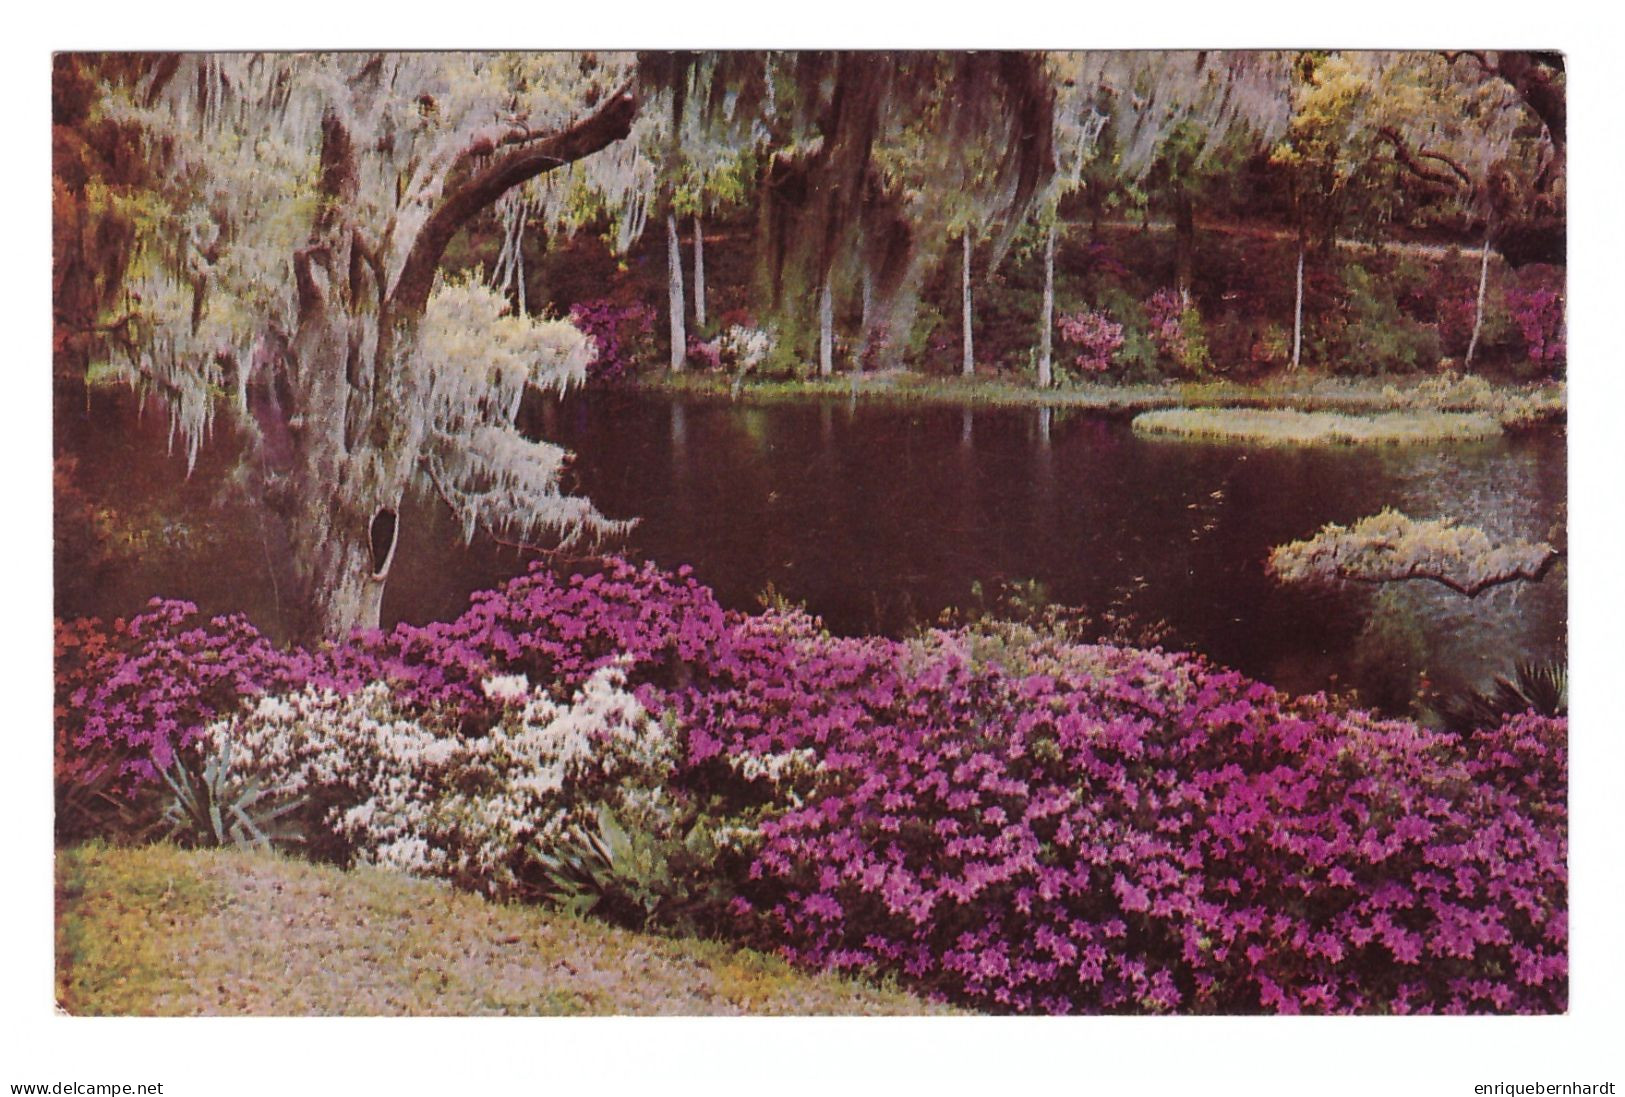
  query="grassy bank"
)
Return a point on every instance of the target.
[
  {"x": 158, "y": 930},
  {"x": 1299, "y": 392}
]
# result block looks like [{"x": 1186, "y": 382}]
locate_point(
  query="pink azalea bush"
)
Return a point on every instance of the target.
[
  {"x": 1176, "y": 329},
  {"x": 1000, "y": 817},
  {"x": 1096, "y": 336}
]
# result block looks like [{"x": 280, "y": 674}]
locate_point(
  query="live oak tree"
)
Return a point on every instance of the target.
[
  {"x": 1460, "y": 129},
  {"x": 285, "y": 272},
  {"x": 877, "y": 165},
  {"x": 1121, "y": 115}
]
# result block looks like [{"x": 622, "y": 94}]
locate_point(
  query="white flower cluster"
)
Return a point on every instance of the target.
[
  {"x": 423, "y": 797},
  {"x": 745, "y": 347},
  {"x": 779, "y": 770}
]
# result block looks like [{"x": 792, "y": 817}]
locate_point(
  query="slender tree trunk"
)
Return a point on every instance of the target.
[
  {"x": 674, "y": 294},
  {"x": 826, "y": 329},
  {"x": 1046, "y": 333},
  {"x": 1478, "y": 312},
  {"x": 699, "y": 273},
  {"x": 1297, "y": 313},
  {"x": 519, "y": 269},
  {"x": 1184, "y": 242},
  {"x": 865, "y": 325},
  {"x": 968, "y": 367}
]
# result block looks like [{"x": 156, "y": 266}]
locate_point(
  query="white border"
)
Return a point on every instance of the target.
[{"x": 1238, "y": 1055}]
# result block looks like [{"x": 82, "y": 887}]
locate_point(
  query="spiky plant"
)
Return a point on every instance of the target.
[
  {"x": 210, "y": 806},
  {"x": 1542, "y": 688}
]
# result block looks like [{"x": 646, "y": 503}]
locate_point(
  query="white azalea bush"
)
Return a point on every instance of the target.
[{"x": 421, "y": 795}]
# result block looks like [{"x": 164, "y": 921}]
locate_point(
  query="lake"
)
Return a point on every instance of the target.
[{"x": 878, "y": 518}]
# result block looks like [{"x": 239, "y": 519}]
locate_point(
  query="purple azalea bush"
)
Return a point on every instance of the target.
[
  {"x": 619, "y": 332},
  {"x": 1012, "y": 821},
  {"x": 1538, "y": 312}
]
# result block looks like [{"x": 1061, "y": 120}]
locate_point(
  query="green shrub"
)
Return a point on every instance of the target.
[{"x": 1378, "y": 336}]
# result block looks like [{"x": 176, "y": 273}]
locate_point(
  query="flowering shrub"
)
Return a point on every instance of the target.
[
  {"x": 705, "y": 353},
  {"x": 744, "y": 348},
  {"x": 621, "y": 333},
  {"x": 1457, "y": 309},
  {"x": 1538, "y": 313},
  {"x": 1095, "y": 335},
  {"x": 145, "y": 687},
  {"x": 1176, "y": 329},
  {"x": 1020, "y": 826},
  {"x": 1136, "y": 832},
  {"x": 413, "y": 793}
]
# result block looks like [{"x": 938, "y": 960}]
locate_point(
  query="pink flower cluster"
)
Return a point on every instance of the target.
[
  {"x": 1176, "y": 329},
  {"x": 1071, "y": 829},
  {"x": 705, "y": 353},
  {"x": 1096, "y": 336}
]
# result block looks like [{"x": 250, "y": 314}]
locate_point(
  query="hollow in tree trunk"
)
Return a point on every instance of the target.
[
  {"x": 674, "y": 294},
  {"x": 968, "y": 366}
]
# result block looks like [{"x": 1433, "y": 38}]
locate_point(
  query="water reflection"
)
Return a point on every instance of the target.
[{"x": 878, "y": 518}]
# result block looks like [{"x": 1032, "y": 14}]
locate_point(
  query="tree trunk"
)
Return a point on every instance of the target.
[
  {"x": 335, "y": 463},
  {"x": 826, "y": 329},
  {"x": 674, "y": 294},
  {"x": 1184, "y": 242},
  {"x": 1046, "y": 332},
  {"x": 968, "y": 366},
  {"x": 866, "y": 324},
  {"x": 699, "y": 274},
  {"x": 1478, "y": 311},
  {"x": 1297, "y": 313},
  {"x": 356, "y": 446}
]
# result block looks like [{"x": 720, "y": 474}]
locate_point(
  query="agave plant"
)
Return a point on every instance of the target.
[
  {"x": 213, "y": 807},
  {"x": 632, "y": 876},
  {"x": 1542, "y": 688}
]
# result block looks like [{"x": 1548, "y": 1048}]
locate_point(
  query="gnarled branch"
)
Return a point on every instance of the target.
[
  {"x": 1411, "y": 161},
  {"x": 611, "y": 122}
]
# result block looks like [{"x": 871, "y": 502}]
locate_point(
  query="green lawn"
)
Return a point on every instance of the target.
[{"x": 158, "y": 930}]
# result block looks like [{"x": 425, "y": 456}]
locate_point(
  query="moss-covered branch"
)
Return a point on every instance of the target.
[{"x": 1391, "y": 547}]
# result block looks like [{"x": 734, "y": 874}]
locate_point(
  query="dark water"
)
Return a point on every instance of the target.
[{"x": 878, "y": 518}]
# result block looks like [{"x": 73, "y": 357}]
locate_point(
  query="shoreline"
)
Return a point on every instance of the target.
[{"x": 1309, "y": 392}]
